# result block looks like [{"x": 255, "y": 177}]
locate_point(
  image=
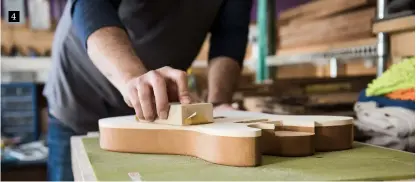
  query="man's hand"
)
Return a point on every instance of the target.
[
  {"x": 150, "y": 93},
  {"x": 223, "y": 76}
]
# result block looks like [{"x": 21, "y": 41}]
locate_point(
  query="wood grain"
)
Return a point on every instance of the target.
[
  {"x": 282, "y": 143},
  {"x": 402, "y": 44},
  {"x": 297, "y": 71},
  {"x": 321, "y": 8},
  {"x": 333, "y": 98},
  {"x": 326, "y": 46},
  {"x": 356, "y": 67},
  {"x": 395, "y": 25},
  {"x": 333, "y": 138},
  {"x": 187, "y": 114},
  {"x": 332, "y": 7},
  {"x": 354, "y": 25},
  {"x": 231, "y": 151}
]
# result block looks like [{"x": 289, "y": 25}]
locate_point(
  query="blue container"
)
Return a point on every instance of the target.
[{"x": 19, "y": 112}]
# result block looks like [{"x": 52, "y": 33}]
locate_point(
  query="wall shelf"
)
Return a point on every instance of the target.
[{"x": 39, "y": 66}]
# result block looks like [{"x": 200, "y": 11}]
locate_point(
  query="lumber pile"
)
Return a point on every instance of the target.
[
  {"x": 306, "y": 96},
  {"x": 402, "y": 35},
  {"x": 326, "y": 21},
  {"x": 356, "y": 67}
]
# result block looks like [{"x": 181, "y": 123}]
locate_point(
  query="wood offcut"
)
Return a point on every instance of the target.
[{"x": 187, "y": 114}]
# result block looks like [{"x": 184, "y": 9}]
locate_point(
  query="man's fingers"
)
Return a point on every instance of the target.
[
  {"x": 181, "y": 80},
  {"x": 160, "y": 92},
  {"x": 146, "y": 96},
  {"x": 135, "y": 103},
  {"x": 150, "y": 93}
]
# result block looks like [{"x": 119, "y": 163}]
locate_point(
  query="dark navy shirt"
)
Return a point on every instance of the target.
[
  {"x": 162, "y": 32},
  {"x": 229, "y": 30}
]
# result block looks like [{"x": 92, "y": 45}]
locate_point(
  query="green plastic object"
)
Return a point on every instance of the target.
[
  {"x": 362, "y": 162},
  {"x": 399, "y": 76},
  {"x": 261, "y": 70}
]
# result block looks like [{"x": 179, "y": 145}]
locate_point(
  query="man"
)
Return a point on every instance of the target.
[{"x": 113, "y": 57}]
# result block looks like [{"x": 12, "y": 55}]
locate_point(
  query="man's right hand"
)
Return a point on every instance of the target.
[{"x": 150, "y": 93}]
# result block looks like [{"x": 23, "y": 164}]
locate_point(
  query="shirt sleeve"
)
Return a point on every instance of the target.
[
  {"x": 229, "y": 32},
  {"x": 91, "y": 15}
]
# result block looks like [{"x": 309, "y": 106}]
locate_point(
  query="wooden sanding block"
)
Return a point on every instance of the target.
[
  {"x": 234, "y": 138},
  {"x": 187, "y": 114}
]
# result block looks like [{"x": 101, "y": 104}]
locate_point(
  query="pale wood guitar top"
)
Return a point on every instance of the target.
[
  {"x": 234, "y": 138},
  {"x": 232, "y": 125}
]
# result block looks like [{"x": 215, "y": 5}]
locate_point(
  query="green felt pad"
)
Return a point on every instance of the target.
[{"x": 363, "y": 162}]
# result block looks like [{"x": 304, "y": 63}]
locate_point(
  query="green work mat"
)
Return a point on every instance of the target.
[{"x": 363, "y": 162}]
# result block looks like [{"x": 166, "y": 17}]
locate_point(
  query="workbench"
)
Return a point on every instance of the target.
[{"x": 362, "y": 162}]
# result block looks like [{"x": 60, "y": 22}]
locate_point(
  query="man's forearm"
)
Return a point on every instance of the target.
[
  {"x": 223, "y": 77},
  {"x": 111, "y": 52},
  {"x": 102, "y": 33},
  {"x": 228, "y": 42}
]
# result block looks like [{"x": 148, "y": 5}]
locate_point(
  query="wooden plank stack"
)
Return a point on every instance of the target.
[
  {"x": 306, "y": 96},
  {"x": 326, "y": 21},
  {"x": 402, "y": 35},
  {"x": 356, "y": 67},
  {"x": 321, "y": 26}
]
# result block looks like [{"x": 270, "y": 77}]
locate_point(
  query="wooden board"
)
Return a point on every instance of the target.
[
  {"x": 314, "y": 9},
  {"x": 402, "y": 35},
  {"x": 330, "y": 22},
  {"x": 395, "y": 25},
  {"x": 306, "y": 70},
  {"x": 356, "y": 67},
  {"x": 354, "y": 25},
  {"x": 402, "y": 44},
  {"x": 235, "y": 138},
  {"x": 326, "y": 46},
  {"x": 332, "y": 98},
  {"x": 333, "y": 7}
]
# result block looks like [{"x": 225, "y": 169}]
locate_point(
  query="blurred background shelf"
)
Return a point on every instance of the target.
[{"x": 25, "y": 69}]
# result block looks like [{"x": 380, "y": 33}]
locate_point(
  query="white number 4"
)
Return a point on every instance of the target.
[{"x": 14, "y": 16}]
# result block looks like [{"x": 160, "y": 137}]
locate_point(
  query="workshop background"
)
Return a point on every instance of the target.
[{"x": 325, "y": 57}]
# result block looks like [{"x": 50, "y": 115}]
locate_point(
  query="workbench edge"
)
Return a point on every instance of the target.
[{"x": 81, "y": 165}]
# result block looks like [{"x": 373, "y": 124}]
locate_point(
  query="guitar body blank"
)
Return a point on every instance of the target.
[{"x": 237, "y": 139}]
